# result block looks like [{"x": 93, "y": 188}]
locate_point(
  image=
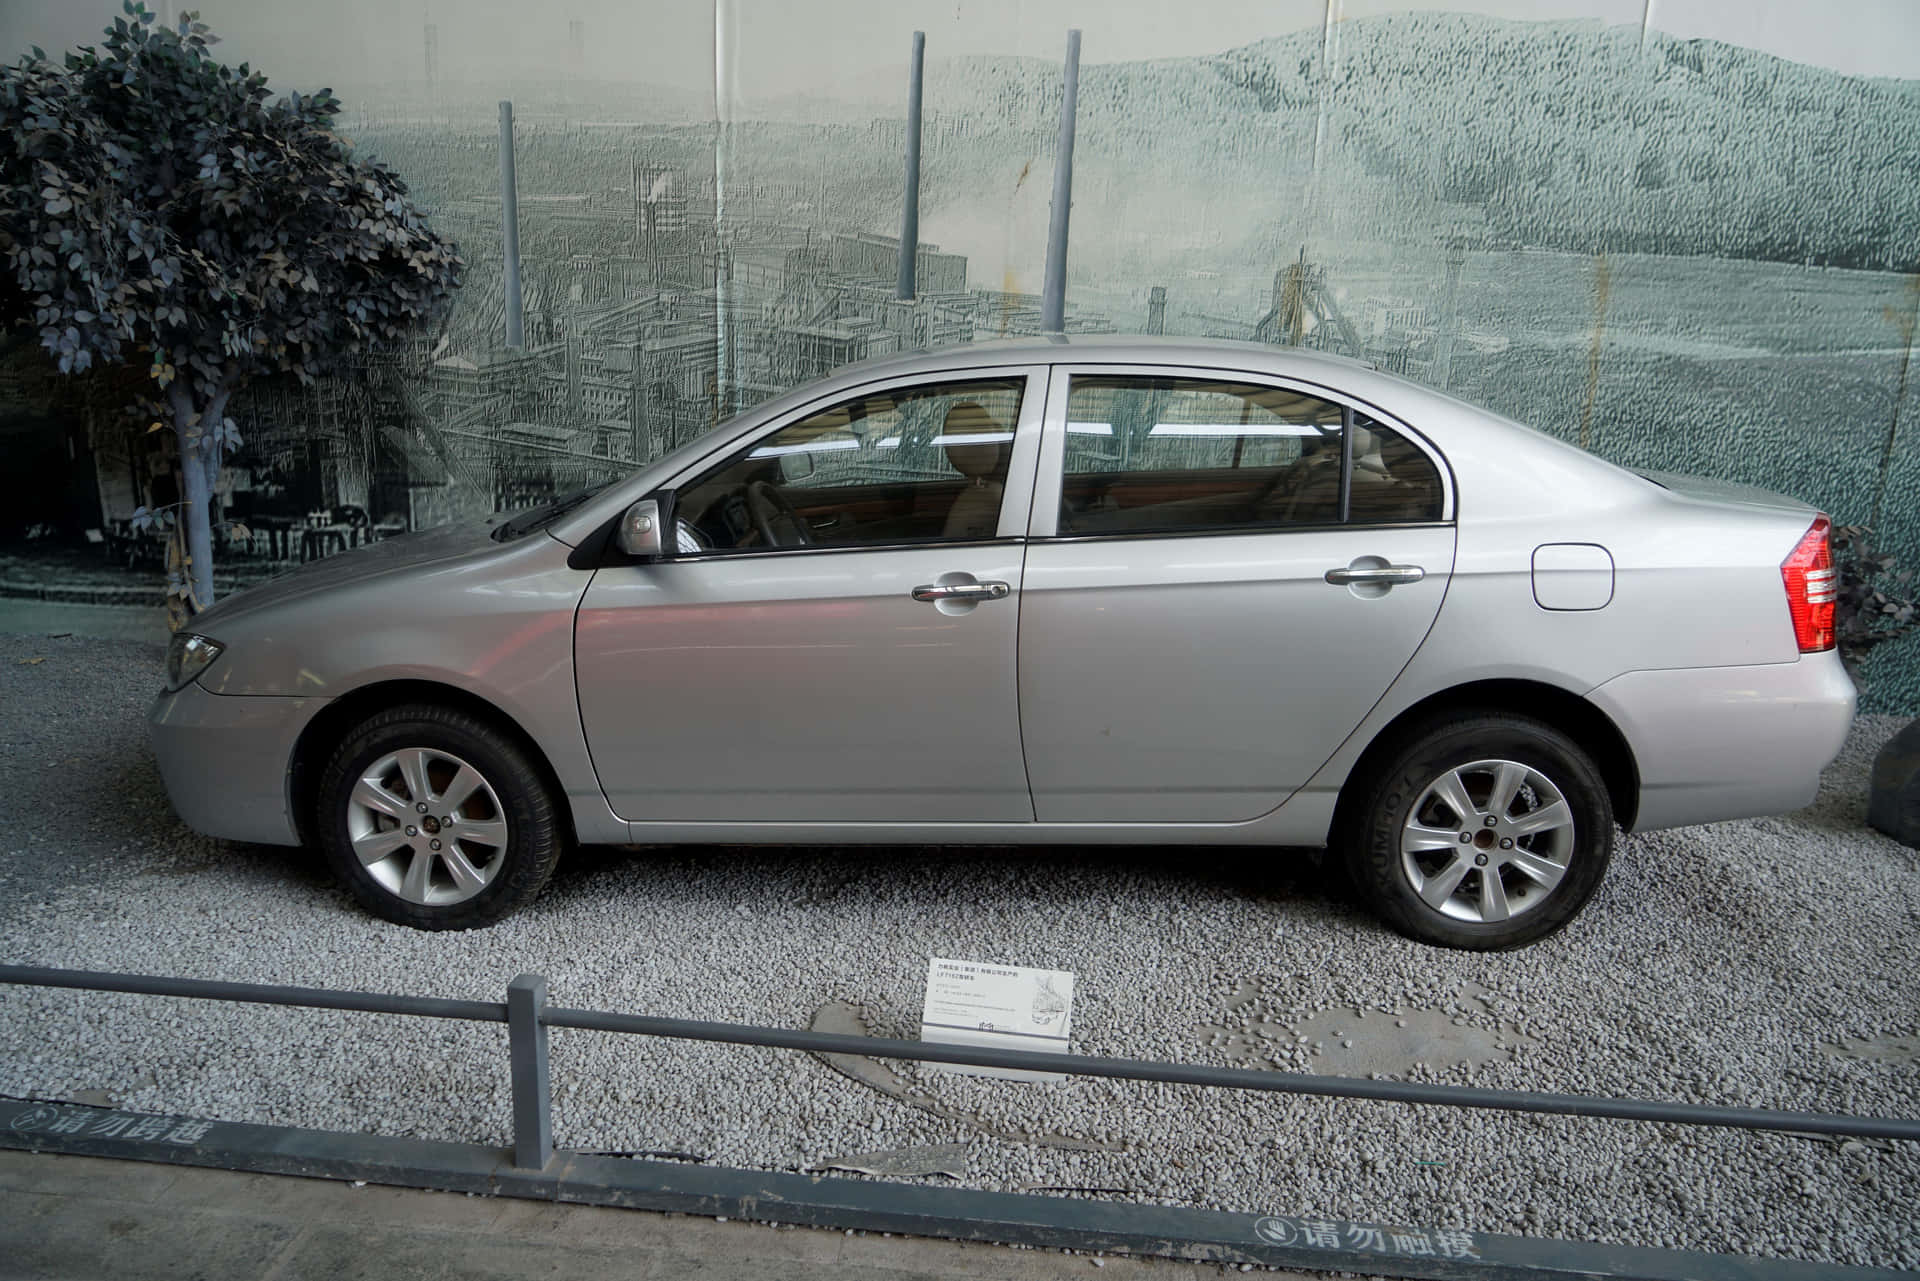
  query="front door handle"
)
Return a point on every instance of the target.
[
  {"x": 1383, "y": 575},
  {"x": 961, "y": 591}
]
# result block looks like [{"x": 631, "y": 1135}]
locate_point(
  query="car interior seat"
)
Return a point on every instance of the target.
[{"x": 979, "y": 447}]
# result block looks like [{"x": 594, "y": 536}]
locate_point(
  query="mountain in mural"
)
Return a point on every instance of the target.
[
  {"x": 1575, "y": 137},
  {"x": 1566, "y": 135}
]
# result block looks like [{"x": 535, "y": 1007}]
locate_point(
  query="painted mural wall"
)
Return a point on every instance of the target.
[{"x": 1682, "y": 234}]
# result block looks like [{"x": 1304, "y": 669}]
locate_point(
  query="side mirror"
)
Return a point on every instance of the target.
[
  {"x": 795, "y": 466},
  {"x": 642, "y": 531}
]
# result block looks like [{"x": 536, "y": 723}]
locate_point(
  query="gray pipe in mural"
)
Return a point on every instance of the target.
[
  {"x": 1054, "y": 289},
  {"x": 910, "y": 208},
  {"x": 510, "y": 230}
]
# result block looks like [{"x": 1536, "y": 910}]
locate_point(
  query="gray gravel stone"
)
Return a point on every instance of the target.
[{"x": 1765, "y": 963}]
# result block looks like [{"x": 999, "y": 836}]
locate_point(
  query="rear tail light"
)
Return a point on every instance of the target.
[{"x": 1812, "y": 586}]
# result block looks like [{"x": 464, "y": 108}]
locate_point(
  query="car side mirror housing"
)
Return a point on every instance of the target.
[{"x": 642, "y": 532}]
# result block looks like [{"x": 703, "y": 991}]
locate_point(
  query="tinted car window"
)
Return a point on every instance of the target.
[
  {"x": 1167, "y": 454},
  {"x": 1392, "y": 480},
  {"x": 918, "y": 464}
]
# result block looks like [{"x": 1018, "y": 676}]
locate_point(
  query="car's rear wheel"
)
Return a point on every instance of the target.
[
  {"x": 434, "y": 818},
  {"x": 1484, "y": 831}
]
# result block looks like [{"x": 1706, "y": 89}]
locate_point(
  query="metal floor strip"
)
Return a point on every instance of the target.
[{"x": 1048, "y": 1222}]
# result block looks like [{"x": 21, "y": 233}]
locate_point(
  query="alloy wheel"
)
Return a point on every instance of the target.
[
  {"x": 1487, "y": 841},
  {"x": 427, "y": 826}
]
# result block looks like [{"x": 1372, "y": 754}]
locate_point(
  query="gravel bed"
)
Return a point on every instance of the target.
[{"x": 1765, "y": 963}]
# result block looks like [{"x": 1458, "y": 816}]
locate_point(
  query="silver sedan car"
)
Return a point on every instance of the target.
[{"x": 1074, "y": 590}]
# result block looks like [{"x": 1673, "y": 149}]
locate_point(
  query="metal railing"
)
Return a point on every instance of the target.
[{"x": 528, "y": 1015}]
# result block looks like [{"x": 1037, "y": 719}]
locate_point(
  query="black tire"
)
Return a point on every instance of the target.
[
  {"x": 516, "y": 837},
  {"x": 1480, "y": 746}
]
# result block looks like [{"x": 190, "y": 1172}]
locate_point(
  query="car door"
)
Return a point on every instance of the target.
[
  {"x": 835, "y": 638},
  {"x": 1224, "y": 573}
]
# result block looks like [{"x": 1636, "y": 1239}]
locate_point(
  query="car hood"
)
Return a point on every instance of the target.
[{"x": 389, "y": 556}]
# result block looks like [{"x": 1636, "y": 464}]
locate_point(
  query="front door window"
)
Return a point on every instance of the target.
[{"x": 902, "y": 466}]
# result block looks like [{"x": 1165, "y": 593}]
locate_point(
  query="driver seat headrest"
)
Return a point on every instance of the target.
[{"x": 976, "y": 443}]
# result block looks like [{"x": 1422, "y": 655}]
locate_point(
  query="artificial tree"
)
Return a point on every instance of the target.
[{"x": 160, "y": 210}]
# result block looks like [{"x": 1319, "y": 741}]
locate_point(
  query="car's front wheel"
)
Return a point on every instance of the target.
[
  {"x": 434, "y": 818},
  {"x": 1484, "y": 832}
]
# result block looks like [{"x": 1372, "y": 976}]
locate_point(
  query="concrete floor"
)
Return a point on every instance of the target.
[
  {"x": 27, "y": 617},
  {"x": 80, "y": 1218}
]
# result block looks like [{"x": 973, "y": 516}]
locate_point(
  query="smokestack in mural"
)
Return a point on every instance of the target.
[
  {"x": 576, "y": 46},
  {"x": 658, "y": 212},
  {"x": 432, "y": 55},
  {"x": 1157, "y": 310},
  {"x": 910, "y": 210},
  {"x": 510, "y": 229},
  {"x": 643, "y": 215},
  {"x": 1053, "y": 289}
]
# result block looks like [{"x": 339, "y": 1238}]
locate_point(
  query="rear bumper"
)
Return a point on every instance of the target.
[
  {"x": 1715, "y": 743},
  {"x": 224, "y": 761}
]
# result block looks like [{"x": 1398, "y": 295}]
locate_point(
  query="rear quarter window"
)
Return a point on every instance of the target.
[{"x": 1393, "y": 481}]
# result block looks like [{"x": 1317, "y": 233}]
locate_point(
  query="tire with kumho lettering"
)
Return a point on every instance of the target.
[{"x": 1484, "y": 831}]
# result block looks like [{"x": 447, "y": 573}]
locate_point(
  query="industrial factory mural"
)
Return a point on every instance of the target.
[{"x": 1678, "y": 250}]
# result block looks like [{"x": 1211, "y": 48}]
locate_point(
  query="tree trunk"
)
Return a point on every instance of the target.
[
  {"x": 199, "y": 465},
  {"x": 179, "y": 608},
  {"x": 197, "y": 520}
]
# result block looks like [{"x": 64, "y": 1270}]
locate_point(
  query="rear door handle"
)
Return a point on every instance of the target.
[
  {"x": 961, "y": 591},
  {"x": 1385, "y": 575}
]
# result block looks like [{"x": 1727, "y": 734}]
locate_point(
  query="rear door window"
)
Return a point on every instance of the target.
[{"x": 1148, "y": 455}]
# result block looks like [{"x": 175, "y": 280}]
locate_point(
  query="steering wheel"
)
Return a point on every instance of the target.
[{"x": 770, "y": 509}]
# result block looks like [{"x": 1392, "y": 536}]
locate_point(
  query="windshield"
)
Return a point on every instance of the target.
[{"x": 523, "y": 523}]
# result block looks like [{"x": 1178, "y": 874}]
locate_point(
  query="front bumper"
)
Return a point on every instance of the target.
[
  {"x": 225, "y": 760},
  {"x": 1730, "y": 742}
]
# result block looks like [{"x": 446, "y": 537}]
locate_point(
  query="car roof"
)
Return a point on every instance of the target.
[{"x": 1106, "y": 349}]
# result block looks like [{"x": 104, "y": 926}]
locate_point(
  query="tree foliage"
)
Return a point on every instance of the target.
[
  {"x": 160, "y": 209},
  {"x": 1872, "y": 602}
]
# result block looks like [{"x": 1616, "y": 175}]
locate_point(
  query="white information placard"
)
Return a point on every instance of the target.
[{"x": 1002, "y": 1006}]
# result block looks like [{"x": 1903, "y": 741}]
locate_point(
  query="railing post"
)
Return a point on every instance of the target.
[{"x": 527, "y": 1048}]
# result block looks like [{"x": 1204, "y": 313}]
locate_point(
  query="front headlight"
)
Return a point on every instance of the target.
[{"x": 188, "y": 655}]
